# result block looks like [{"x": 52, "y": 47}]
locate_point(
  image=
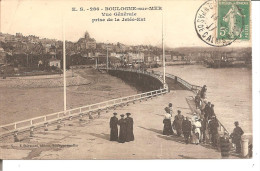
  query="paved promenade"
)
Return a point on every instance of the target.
[{"x": 89, "y": 139}]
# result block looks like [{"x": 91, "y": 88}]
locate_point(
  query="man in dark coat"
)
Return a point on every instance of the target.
[
  {"x": 122, "y": 131},
  {"x": 203, "y": 92},
  {"x": 213, "y": 128},
  {"x": 224, "y": 145},
  {"x": 236, "y": 137},
  {"x": 113, "y": 128},
  {"x": 186, "y": 129},
  {"x": 207, "y": 111},
  {"x": 203, "y": 129},
  {"x": 177, "y": 123},
  {"x": 211, "y": 111},
  {"x": 129, "y": 128}
]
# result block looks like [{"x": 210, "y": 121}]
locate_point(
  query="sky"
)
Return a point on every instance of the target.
[{"x": 45, "y": 19}]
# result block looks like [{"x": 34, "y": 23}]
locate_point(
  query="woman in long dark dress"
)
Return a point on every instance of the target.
[
  {"x": 129, "y": 128},
  {"x": 113, "y": 128},
  {"x": 122, "y": 131},
  {"x": 167, "y": 129}
]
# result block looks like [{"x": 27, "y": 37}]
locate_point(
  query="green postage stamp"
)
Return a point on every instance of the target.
[
  {"x": 221, "y": 22},
  {"x": 233, "y": 20}
]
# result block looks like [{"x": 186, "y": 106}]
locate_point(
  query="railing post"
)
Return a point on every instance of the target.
[
  {"x": 59, "y": 124},
  {"x": 46, "y": 126},
  {"x": 16, "y": 139}
]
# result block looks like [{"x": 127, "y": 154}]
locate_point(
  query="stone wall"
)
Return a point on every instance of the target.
[{"x": 140, "y": 81}]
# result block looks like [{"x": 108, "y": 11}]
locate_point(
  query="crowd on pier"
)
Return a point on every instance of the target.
[{"x": 202, "y": 126}]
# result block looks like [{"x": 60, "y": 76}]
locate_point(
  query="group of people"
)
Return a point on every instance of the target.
[
  {"x": 190, "y": 128},
  {"x": 126, "y": 133},
  {"x": 202, "y": 126},
  {"x": 208, "y": 113}
]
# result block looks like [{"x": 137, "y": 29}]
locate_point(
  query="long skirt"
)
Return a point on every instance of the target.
[{"x": 167, "y": 129}]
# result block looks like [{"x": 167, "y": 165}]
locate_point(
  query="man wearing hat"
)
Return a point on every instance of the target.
[
  {"x": 129, "y": 128},
  {"x": 236, "y": 137},
  {"x": 113, "y": 128},
  {"x": 177, "y": 123},
  {"x": 122, "y": 131},
  {"x": 186, "y": 128},
  {"x": 213, "y": 130}
]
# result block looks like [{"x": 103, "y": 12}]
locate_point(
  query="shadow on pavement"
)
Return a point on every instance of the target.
[
  {"x": 186, "y": 157},
  {"x": 172, "y": 138},
  {"x": 102, "y": 136},
  {"x": 152, "y": 129}
]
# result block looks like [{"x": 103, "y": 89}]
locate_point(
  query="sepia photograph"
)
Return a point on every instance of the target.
[{"x": 125, "y": 80}]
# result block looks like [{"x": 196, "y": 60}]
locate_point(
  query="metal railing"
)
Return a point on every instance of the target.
[{"x": 41, "y": 120}]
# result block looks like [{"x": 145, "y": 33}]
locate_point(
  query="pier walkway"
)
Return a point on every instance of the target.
[{"x": 86, "y": 138}]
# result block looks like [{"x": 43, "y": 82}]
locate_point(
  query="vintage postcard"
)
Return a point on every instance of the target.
[{"x": 126, "y": 79}]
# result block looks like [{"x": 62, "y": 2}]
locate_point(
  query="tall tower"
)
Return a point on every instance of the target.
[{"x": 86, "y": 35}]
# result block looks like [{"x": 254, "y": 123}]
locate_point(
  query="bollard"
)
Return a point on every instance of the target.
[
  {"x": 59, "y": 124},
  {"x": 31, "y": 131},
  {"x": 46, "y": 126},
  {"x": 90, "y": 116},
  {"x": 244, "y": 143},
  {"x": 80, "y": 117},
  {"x": 16, "y": 136}
]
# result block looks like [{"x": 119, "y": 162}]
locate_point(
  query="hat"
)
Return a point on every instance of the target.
[
  {"x": 115, "y": 113},
  {"x": 122, "y": 115},
  {"x": 236, "y": 123},
  {"x": 128, "y": 114},
  {"x": 178, "y": 111}
]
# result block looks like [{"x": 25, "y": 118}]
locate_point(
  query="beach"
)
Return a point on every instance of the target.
[{"x": 23, "y": 103}]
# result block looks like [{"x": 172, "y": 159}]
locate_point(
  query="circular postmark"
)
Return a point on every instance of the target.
[{"x": 209, "y": 24}]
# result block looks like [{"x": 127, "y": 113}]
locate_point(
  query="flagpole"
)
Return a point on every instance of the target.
[
  {"x": 163, "y": 52},
  {"x": 64, "y": 66}
]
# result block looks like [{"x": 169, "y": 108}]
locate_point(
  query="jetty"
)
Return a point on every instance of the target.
[{"x": 83, "y": 133}]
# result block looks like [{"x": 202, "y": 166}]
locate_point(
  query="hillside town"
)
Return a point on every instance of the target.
[{"x": 19, "y": 54}]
